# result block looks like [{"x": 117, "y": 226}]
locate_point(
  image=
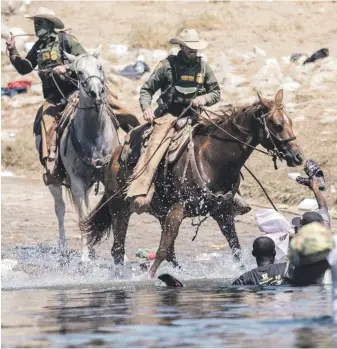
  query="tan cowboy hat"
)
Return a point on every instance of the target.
[
  {"x": 191, "y": 39},
  {"x": 45, "y": 13}
]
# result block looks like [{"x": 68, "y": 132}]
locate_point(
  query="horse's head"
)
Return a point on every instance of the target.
[
  {"x": 276, "y": 132},
  {"x": 90, "y": 75}
]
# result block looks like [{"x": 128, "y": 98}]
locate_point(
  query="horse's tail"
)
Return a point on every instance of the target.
[{"x": 99, "y": 222}]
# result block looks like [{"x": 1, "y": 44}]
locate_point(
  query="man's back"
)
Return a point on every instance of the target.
[{"x": 270, "y": 274}]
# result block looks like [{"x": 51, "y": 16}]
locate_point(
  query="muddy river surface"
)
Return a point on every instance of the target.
[{"x": 49, "y": 303}]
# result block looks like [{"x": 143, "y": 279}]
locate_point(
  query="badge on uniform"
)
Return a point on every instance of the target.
[
  {"x": 53, "y": 55},
  {"x": 46, "y": 55},
  {"x": 199, "y": 79}
]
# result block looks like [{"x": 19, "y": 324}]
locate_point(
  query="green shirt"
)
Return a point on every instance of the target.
[
  {"x": 162, "y": 79},
  {"x": 44, "y": 54}
]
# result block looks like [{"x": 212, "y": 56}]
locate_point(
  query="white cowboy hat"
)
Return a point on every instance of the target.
[
  {"x": 191, "y": 39},
  {"x": 45, "y": 13}
]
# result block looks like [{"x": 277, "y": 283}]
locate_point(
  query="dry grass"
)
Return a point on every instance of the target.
[
  {"x": 21, "y": 154},
  {"x": 157, "y": 35},
  {"x": 208, "y": 21},
  {"x": 151, "y": 36}
]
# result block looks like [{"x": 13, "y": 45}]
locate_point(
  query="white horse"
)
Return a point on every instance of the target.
[{"x": 87, "y": 143}]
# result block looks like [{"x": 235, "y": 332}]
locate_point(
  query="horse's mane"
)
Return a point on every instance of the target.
[{"x": 225, "y": 115}]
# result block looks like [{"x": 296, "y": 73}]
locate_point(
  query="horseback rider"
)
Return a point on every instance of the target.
[
  {"x": 48, "y": 54},
  {"x": 184, "y": 79}
]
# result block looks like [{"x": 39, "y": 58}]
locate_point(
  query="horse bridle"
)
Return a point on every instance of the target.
[
  {"x": 268, "y": 131},
  {"x": 274, "y": 153},
  {"x": 84, "y": 83}
]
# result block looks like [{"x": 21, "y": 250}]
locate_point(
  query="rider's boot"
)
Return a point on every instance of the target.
[
  {"x": 51, "y": 177},
  {"x": 141, "y": 203},
  {"x": 240, "y": 206}
]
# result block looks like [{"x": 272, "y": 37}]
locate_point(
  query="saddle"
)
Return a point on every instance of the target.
[{"x": 137, "y": 140}]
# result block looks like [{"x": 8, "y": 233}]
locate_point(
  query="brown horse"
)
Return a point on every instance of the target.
[{"x": 202, "y": 181}]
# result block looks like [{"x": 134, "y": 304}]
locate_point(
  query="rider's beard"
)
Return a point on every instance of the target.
[{"x": 190, "y": 58}]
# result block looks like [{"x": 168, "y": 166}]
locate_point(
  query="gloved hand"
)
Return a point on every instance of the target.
[
  {"x": 60, "y": 70},
  {"x": 148, "y": 115},
  {"x": 199, "y": 101},
  {"x": 10, "y": 43}
]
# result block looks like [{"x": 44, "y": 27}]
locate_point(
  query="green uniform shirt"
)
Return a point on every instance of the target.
[
  {"x": 162, "y": 79},
  {"x": 47, "y": 54}
]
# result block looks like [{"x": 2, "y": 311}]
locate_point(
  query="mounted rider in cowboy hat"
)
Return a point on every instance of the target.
[
  {"x": 183, "y": 79},
  {"x": 48, "y": 54}
]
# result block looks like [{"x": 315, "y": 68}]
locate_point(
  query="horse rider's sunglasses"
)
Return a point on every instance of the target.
[{"x": 39, "y": 21}]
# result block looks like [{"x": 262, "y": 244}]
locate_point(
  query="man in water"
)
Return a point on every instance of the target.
[
  {"x": 266, "y": 273},
  {"x": 310, "y": 255}
]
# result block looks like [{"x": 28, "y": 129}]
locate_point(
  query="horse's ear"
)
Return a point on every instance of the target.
[
  {"x": 69, "y": 56},
  {"x": 97, "y": 51},
  {"x": 261, "y": 99},
  {"x": 279, "y": 97}
]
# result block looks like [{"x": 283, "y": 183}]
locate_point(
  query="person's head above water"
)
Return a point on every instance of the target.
[{"x": 264, "y": 250}]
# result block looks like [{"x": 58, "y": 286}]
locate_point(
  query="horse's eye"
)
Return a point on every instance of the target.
[
  {"x": 278, "y": 127},
  {"x": 80, "y": 73}
]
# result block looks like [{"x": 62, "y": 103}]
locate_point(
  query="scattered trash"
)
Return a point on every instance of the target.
[
  {"x": 294, "y": 175},
  {"x": 16, "y": 87},
  {"x": 259, "y": 52},
  {"x": 269, "y": 75},
  {"x": 137, "y": 70},
  {"x": 322, "y": 53},
  {"x": 289, "y": 84},
  {"x": 295, "y": 57},
  {"x": 12, "y": 91},
  {"x": 118, "y": 50},
  {"x": 248, "y": 56},
  {"x": 146, "y": 253},
  {"x": 308, "y": 204}
]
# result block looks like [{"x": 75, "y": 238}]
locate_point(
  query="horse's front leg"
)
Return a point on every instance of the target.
[
  {"x": 171, "y": 254},
  {"x": 225, "y": 220},
  {"x": 79, "y": 192},
  {"x": 56, "y": 192},
  {"x": 169, "y": 233}
]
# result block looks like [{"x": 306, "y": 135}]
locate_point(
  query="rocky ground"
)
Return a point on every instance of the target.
[{"x": 250, "y": 48}]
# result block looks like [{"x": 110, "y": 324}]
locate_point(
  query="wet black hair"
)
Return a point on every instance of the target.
[{"x": 263, "y": 246}]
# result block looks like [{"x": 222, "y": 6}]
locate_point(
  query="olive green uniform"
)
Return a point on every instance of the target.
[
  {"x": 176, "y": 71},
  {"x": 180, "y": 82},
  {"x": 47, "y": 54}
]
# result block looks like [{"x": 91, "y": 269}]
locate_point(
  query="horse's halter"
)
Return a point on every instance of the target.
[{"x": 270, "y": 135}]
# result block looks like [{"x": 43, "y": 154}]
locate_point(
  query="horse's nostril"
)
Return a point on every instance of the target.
[
  {"x": 299, "y": 158},
  {"x": 93, "y": 94}
]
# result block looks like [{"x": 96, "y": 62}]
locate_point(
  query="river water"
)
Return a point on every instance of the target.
[{"x": 95, "y": 307}]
